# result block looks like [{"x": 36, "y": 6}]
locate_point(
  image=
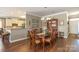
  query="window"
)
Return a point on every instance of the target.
[{"x": 0, "y": 23}]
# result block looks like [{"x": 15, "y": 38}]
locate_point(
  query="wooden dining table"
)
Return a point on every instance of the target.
[{"x": 42, "y": 36}]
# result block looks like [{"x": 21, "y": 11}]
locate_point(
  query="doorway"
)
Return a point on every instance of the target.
[{"x": 74, "y": 26}]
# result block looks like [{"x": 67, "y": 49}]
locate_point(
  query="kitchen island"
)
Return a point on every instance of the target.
[{"x": 17, "y": 34}]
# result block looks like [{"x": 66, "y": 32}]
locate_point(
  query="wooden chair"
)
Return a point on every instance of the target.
[
  {"x": 1, "y": 31},
  {"x": 52, "y": 38},
  {"x": 54, "y": 35},
  {"x": 34, "y": 40},
  {"x": 48, "y": 41}
]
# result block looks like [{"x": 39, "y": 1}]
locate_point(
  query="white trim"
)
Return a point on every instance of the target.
[
  {"x": 67, "y": 15},
  {"x": 55, "y": 14},
  {"x": 32, "y": 14},
  {"x": 17, "y": 40},
  {"x": 67, "y": 24}
]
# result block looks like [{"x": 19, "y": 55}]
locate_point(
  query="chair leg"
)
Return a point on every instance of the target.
[
  {"x": 34, "y": 48},
  {"x": 50, "y": 44},
  {"x": 30, "y": 45}
]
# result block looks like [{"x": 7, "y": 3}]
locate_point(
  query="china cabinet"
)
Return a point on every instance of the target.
[{"x": 52, "y": 24}]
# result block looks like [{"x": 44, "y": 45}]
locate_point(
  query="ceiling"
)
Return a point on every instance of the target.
[{"x": 39, "y": 11}]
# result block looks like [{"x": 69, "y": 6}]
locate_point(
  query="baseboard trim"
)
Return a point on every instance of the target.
[{"x": 18, "y": 40}]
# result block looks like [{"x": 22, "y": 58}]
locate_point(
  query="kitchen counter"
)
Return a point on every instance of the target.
[
  {"x": 4, "y": 34},
  {"x": 17, "y": 34}
]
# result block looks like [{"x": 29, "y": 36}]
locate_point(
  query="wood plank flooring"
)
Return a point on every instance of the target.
[{"x": 71, "y": 44}]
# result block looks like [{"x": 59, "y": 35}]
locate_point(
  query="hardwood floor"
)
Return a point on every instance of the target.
[
  {"x": 71, "y": 44},
  {"x": 1, "y": 45}
]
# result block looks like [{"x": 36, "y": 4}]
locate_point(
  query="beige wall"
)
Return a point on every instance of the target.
[{"x": 61, "y": 17}]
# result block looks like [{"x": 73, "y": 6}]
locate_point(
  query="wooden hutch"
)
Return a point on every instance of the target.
[{"x": 52, "y": 24}]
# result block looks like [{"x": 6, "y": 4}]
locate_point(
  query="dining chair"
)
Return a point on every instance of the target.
[
  {"x": 54, "y": 35},
  {"x": 34, "y": 40},
  {"x": 48, "y": 39}
]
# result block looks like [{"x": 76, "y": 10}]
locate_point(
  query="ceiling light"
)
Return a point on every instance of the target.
[
  {"x": 45, "y": 7},
  {"x": 48, "y": 18},
  {"x": 74, "y": 13}
]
